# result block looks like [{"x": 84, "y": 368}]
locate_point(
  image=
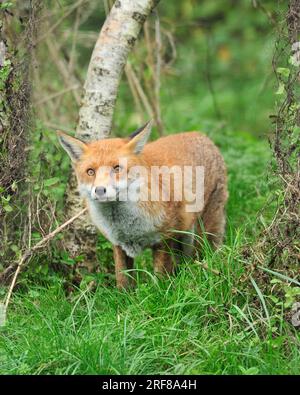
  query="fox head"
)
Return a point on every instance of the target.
[{"x": 102, "y": 167}]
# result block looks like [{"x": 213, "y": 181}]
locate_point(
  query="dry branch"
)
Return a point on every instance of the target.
[
  {"x": 139, "y": 89},
  {"x": 209, "y": 269},
  {"x": 41, "y": 244},
  {"x": 63, "y": 68}
]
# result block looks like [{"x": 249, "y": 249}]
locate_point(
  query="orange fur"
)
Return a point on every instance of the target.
[{"x": 184, "y": 149}]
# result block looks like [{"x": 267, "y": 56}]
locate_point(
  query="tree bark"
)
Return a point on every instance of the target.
[{"x": 116, "y": 39}]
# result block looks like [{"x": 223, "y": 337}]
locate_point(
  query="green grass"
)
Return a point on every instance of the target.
[{"x": 195, "y": 323}]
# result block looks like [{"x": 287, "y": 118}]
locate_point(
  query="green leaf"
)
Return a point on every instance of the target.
[
  {"x": 273, "y": 298},
  {"x": 51, "y": 181},
  {"x": 283, "y": 71},
  {"x": 261, "y": 297},
  {"x": 14, "y": 248},
  {"x": 36, "y": 236},
  {"x": 250, "y": 371},
  {"x": 280, "y": 89},
  {"x": 286, "y": 278},
  {"x": 6, "y": 5},
  {"x": 8, "y": 208},
  {"x": 33, "y": 293},
  {"x": 14, "y": 186},
  {"x": 294, "y": 60},
  {"x": 275, "y": 281}
]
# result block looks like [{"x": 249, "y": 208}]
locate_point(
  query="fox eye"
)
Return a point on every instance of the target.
[
  {"x": 117, "y": 169},
  {"x": 90, "y": 172}
]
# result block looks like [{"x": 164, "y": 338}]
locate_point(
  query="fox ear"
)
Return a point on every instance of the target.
[
  {"x": 74, "y": 147},
  {"x": 139, "y": 138}
]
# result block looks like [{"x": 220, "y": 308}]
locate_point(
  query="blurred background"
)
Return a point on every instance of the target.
[{"x": 215, "y": 62}]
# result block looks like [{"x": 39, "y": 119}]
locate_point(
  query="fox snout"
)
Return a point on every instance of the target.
[
  {"x": 100, "y": 191},
  {"x": 104, "y": 193}
]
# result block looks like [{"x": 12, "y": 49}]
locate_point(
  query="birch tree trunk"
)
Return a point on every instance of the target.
[{"x": 116, "y": 39}]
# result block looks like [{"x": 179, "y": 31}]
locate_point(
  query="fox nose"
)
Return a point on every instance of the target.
[{"x": 100, "y": 191}]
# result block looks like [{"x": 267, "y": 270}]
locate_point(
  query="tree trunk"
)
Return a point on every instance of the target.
[{"x": 116, "y": 39}]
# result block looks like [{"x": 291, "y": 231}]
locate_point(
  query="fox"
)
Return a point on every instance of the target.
[{"x": 116, "y": 181}]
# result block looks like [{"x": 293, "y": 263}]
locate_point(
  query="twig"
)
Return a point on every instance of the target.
[
  {"x": 74, "y": 42},
  {"x": 154, "y": 63},
  {"x": 56, "y": 94},
  {"x": 157, "y": 76},
  {"x": 150, "y": 58},
  {"x": 30, "y": 251},
  {"x": 134, "y": 93},
  {"x": 65, "y": 15},
  {"x": 140, "y": 90},
  {"x": 206, "y": 267},
  {"x": 173, "y": 48},
  {"x": 61, "y": 65},
  {"x": 209, "y": 79},
  {"x": 57, "y": 126}
]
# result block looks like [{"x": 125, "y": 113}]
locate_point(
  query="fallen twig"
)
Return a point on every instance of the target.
[
  {"x": 31, "y": 250},
  {"x": 206, "y": 267}
]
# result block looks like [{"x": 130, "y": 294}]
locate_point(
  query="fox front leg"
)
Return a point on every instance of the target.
[
  {"x": 163, "y": 259},
  {"x": 122, "y": 262}
]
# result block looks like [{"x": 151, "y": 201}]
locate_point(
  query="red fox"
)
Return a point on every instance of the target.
[{"x": 122, "y": 203}]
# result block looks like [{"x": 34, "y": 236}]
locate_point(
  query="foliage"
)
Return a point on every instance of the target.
[
  {"x": 282, "y": 238},
  {"x": 16, "y": 38}
]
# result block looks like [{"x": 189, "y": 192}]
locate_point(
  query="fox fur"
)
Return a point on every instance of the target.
[{"x": 163, "y": 225}]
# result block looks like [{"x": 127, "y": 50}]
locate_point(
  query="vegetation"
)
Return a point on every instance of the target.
[{"x": 223, "y": 314}]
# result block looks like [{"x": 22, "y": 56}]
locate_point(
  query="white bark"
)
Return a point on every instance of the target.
[{"x": 115, "y": 41}]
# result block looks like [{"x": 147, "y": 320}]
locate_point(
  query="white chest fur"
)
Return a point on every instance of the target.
[{"x": 126, "y": 224}]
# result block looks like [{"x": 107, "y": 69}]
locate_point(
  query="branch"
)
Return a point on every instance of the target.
[{"x": 42, "y": 243}]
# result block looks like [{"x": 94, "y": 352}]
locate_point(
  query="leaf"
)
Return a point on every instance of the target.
[
  {"x": 246, "y": 319},
  {"x": 36, "y": 236},
  {"x": 8, "y": 208},
  {"x": 294, "y": 60},
  {"x": 261, "y": 297},
  {"x": 33, "y": 294},
  {"x": 14, "y": 186},
  {"x": 280, "y": 89},
  {"x": 250, "y": 371},
  {"x": 14, "y": 248},
  {"x": 6, "y": 5},
  {"x": 283, "y": 71},
  {"x": 273, "y": 298},
  {"x": 286, "y": 278},
  {"x": 275, "y": 281},
  {"x": 51, "y": 181}
]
